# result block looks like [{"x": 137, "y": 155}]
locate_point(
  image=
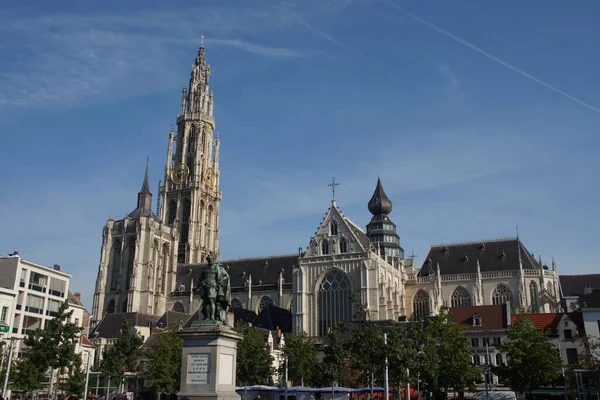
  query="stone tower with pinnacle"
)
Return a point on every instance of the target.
[
  {"x": 140, "y": 252},
  {"x": 191, "y": 194}
]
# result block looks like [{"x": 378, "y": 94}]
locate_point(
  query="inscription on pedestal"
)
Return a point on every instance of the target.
[{"x": 198, "y": 369}]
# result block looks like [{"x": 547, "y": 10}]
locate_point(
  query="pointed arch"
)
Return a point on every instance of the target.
[
  {"x": 460, "y": 298},
  {"x": 421, "y": 307},
  {"x": 178, "y": 307},
  {"x": 236, "y": 303},
  {"x": 334, "y": 303},
  {"x": 343, "y": 245},
  {"x": 116, "y": 263},
  {"x": 110, "y": 308},
  {"x": 501, "y": 294},
  {"x": 265, "y": 302},
  {"x": 324, "y": 247},
  {"x": 171, "y": 212},
  {"x": 533, "y": 296},
  {"x": 333, "y": 227}
]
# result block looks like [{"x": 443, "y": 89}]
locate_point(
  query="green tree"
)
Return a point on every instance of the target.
[
  {"x": 366, "y": 349},
  {"x": 532, "y": 362},
  {"x": 301, "y": 352},
  {"x": 401, "y": 351},
  {"x": 591, "y": 358},
  {"x": 124, "y": 355},
  {"x": 334, "y": 358},
  {"x": 27, "y": 376},
  {"x": 76, "y": 378},
  {"x": 454, "y": 354},
  {"x": 254, "y": 363},
  {"x": 163, "y": 365}
]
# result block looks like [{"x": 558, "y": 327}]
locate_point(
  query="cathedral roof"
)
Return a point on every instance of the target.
[
  {"x": 145, "y": 186},
  {"x": 493, "y": 255},
  {"x": 272, "y": 318},
  {"x": 111, "y": 324},
  {"x": 380, "y": 203},
  {"x": 142, "y": 212},
  {"x": 263, "y": 270},
  {"x": 171, "y": 318},
  {"x": 575, "y": 285}
]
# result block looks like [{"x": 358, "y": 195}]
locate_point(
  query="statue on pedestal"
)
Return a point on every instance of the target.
[{"x": 215, "y": 291}]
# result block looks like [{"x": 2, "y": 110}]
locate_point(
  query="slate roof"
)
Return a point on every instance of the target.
[
  {"x": 493, "y": 255},
  {"x": 138, "y": 212},
  {"x": 549, "y": 321},
  {"x": 590, "y": 300},
  {"x": 171, "y": 319},
  {"x": 264, "y": 271},
  {"x": 574, "y": 285},
  {"x": 73, "y": 300},
  {"x": 492, "y": 317},
  {"x": 273, "y": 318},
  {"x": 8, "y": 272},
  {"x": 110, "y": 325}
]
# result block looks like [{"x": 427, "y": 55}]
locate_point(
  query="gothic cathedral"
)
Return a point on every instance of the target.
[{"x": 140, "y": 253}]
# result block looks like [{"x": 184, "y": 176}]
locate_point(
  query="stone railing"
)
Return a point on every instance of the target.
[{"x": 458, "y": 277}]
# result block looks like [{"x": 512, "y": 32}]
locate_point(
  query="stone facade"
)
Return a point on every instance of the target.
[{"x": 140, "y": 253}]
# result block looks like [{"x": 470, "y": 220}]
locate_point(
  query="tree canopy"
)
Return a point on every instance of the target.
[
  {"x": 124, "y": 354},
  {"x": 163, "y": 365},
  {"x": 532, "y": 362},
  {"x": 301, "y": 352},
  {"x": 254, "y": 363}
]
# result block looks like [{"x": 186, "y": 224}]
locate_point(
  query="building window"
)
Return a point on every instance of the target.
[
  {"x": 343, "y": 245},
  {"x": 499, "y": 360},
  {"x": 568, "y": 334},
  {"x": 501, "y": 294},
  {"x": 460, "y": 298},
  {"x": 178, "y": 307},
  {"x": 236, "y": 303},
  {"x": 533, "y": 294},
  {"x": 23, "y": 280},
  {"x": 172, "y": 212},
  {"x": 53, "y": 307},
  {"x": 34, "y": 304},
  {"x": 334, "y": 304},
  {"x": 324, "y": 247},
  {"x": 265, "y": 302},
  {"x": 474, "y": 342},
  {"x": 76, "y": 321},
  {"x": 38, "y": 282},
  {"x": 57, "y": 287},
  {"x": 476, "y": 320},
  {"x": 333, "y": 228},
  {"x": 476, "y": 360},
  {"x": 497, "y": 341},
  {"x": 110, "y": 309},
  {"x": 572, "y": 357},
  {"x": 421, "y": 305},
  {"x": 486, "y": 342},
  {"x": 3, "y": 316}
]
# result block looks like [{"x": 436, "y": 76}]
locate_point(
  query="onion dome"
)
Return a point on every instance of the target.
[{"x": 380, "y": 203}]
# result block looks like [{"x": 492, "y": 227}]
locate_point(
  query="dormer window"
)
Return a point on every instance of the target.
[
  {"x": 476, "y": 320},
  {"x": 333, "y": 228}
]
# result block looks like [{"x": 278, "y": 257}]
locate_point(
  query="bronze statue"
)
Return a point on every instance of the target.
[{"x": 215, "y": 291}]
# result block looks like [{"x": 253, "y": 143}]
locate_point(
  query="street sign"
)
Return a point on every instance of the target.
[{"x": 4, "y": 328}]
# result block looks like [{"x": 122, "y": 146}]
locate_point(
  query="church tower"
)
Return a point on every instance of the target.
[
  {"x": 191, "y": 193},
  {"x": 381, "y": 231}
]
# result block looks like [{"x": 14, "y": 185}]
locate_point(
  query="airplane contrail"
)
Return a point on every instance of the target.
[
  {"x": 346, "y": 49},
  {"x": 491, "y": 56}
]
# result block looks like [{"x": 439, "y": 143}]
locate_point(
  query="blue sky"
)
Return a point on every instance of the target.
[{"x": 478, "y": 116}]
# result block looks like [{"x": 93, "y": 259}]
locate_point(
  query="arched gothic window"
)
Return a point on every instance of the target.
[
  {"x": 334, "y": 301},
  {"x": 116, "y": 260},
  {"x": 172, "y": 212},
  {"x": 550, "y": 288},
  {"x": 236, "y": 303},
  {"x": 324, "y": 247},
  {"x": 110, "y": 309},
  {"x": 501, "y": 294},
  {"x": 333, "y": 228},
  {"x": 124, "y": 307},
  {"x": 421, "y": 305},
  {"x": 533, "y": 294},
  {"x": 343, "y": 245},
  {"x": 178, "y": 307},
  {"x": 265, "y": 301},
  {"x": 461, "y": 298}
]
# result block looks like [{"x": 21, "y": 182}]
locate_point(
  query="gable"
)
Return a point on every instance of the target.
[{"x": 334, "y": 229}]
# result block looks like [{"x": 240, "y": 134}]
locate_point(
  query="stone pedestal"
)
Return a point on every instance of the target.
[{"x": 208, "y": 362}]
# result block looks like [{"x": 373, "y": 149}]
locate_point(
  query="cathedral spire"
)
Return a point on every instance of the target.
[
  {"x": 144, "y": 195},
  {"x": 381, "y": 229}
]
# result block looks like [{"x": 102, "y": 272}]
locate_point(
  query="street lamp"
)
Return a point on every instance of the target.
[
  {"x": 10, "y": 355},
  {"x": 87, "y": 375}
]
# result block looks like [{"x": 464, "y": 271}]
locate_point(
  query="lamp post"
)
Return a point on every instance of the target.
[
  {"x": 10, "y": 355},
  {"x": 87, "y": 375},
  {"x": 385, "y": 375}
]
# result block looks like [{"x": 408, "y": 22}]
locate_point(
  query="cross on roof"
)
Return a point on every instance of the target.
[
  {"x": 332, "y": 185},
  {"x": 147, "y": 161}
]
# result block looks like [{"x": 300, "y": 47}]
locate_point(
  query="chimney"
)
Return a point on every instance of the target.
[
  {"x": 77, "y": 295},
  {"x": 587, "y": 289},
  {"x": 14, "y": 254},
  {"x": 56, "y": 267}
]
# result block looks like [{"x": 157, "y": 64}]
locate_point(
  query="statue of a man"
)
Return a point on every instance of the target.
[
  {"x": 223, "y": 292},
  {"x": 215, "y": 290}
]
